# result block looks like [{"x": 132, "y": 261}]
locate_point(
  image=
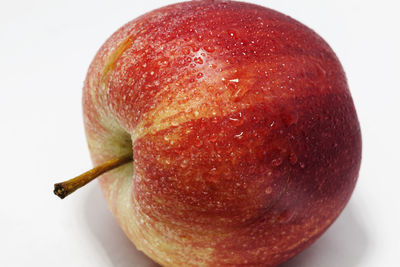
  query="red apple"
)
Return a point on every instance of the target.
[{"x": 245, "y": 139}]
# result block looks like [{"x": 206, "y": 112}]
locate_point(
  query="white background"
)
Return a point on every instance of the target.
[{"x": 45, "y": 49}]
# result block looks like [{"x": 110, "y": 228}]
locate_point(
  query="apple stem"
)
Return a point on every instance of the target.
[{"x": 65, "y": 188}]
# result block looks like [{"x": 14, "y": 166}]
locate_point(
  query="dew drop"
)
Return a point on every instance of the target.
[
  {"x": 212, "y": 177},
  {"x": 198, "y": 60},
  {"x": 198, "y": 143},
  {"x": 184, "y": 163},
  {"x": 239, "y": 136},
  {"x": 195, "y": 48},
  {"x": 321, "y": 71},
  {"x": 237, "y": 120},
  {"x": 163, "y": 63},
  {"x": 232, "y": 34},
  {"x": 289, "y": 118},
  {"x": 239, "y": 93},
  {"x": 186, "y": 50},
  {"x": 277, "y": 162},
  {"x": 209, "y": 49},
  {"x": 268, "y": 190},
  {"x": 213, "y": 138},
  {"x": 293, "y": 158},
  {"x": 286, "y": 216}
]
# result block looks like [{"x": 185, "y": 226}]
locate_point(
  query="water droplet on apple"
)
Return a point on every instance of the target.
[
  {"x": 286, "y": 216},
  {"x": 212, "y": 175},
  {"x": 293, "y": 158},
  {"x": 237, "y": 119},
  {"x": 238, "y": 94},
  {"x": 195, "y": 48},
  {"x": 184, "y": 163},
  {"x": 198, "y": 60},
  {"x": 164, "y": 63},
  {"x": 277, "y": 162},
  {"x": 268, "y": 190},
  {"x": 198, "y": 143},
  {"x": 233, "y": 34},
  {"x": 213, "y": 138},
  {"x": 209, "y": 49},
  {"x": 272, "y": 124},
  {"x": 289, "y": 117},
  {"x": 239, "y": 136},
  {"x": 321, "y": 71},
  {"x": 186, "y": 50}
]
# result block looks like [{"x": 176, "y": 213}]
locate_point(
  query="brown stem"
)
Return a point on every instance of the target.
[{"x": 65, "y": 188}]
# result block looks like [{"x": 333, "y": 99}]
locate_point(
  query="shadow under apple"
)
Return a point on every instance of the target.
[{"x": 344, "y": 243}]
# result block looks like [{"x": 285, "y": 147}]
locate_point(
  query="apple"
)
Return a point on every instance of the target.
[{"x": 245, "y": 140}]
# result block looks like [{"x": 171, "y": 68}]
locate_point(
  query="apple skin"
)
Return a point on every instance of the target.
[{"x": 244, "y": 134}]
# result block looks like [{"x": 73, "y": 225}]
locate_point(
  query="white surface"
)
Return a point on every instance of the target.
[{"x": 45, "y": 49}]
